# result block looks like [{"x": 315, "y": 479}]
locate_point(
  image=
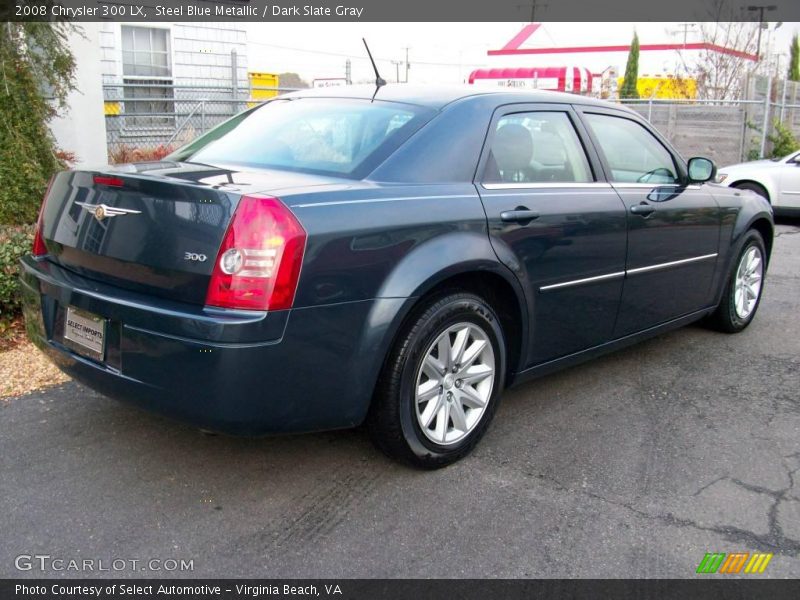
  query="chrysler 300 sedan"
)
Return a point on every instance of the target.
[{"x": 330, "y": 259}]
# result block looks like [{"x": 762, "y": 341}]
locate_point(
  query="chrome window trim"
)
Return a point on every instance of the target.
[
  {"x": 376, "y": 200},
  {"x": 540, "y": 186},
  {"x": 650, "y": 186}
]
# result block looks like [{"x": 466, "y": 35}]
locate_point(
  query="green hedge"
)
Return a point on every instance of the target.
[
  {"x": 14, "y": 243},
  {"x": 28, "y": 152}
]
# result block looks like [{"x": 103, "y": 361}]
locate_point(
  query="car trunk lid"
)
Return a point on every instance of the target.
[{"x": 152, "y": 228}]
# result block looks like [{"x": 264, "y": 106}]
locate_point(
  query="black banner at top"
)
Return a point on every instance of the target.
[{"x": 401, "y": 10}]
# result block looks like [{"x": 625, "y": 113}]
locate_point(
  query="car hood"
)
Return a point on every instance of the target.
[{"x": 755, "y": 164}]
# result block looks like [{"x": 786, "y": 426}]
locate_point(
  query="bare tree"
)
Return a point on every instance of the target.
[{"x": 720, "y": 68}]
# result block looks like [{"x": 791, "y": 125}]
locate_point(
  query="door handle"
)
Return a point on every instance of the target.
[
  {"x": 643, "y": 209},
  {"x": 520, "y": 215}
]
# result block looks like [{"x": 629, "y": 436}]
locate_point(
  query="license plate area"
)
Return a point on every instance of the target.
[{"x": 85, "y": 333}]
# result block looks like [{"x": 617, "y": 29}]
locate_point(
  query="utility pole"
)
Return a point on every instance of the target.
[
  {"x": 234, "y": 81},
  {"x": 760, "y": 9},
  {"x": 534, "y": 5},
  {"x": 348, "y": 76},
  {"x": 685, "y": 28},
  {"x": 397, "y": 64},
  {"x": 408, "y": 65}
]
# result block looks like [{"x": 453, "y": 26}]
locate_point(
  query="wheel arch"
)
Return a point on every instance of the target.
[
  {"x": 765, "y": 228},
  {"x": 756, "y": 216},
  {"x": 762, "y": 184},
  {"x": 428, "y": 273}
]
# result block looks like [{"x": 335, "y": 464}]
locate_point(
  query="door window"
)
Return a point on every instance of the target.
[
  {"x": 536, "y": 147},
  {"x": 633, "y": 153}
]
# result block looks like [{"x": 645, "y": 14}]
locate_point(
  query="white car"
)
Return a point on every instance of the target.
[{"x": 777, "y": 179}]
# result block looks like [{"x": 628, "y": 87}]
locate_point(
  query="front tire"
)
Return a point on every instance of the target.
[
  {"x": 441, "y": 384},
  {"x": 743, "y": 289}
]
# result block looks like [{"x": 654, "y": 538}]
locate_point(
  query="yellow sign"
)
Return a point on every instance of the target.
[
  {"x": 672, "y": 88},
  {"x": 111, "y": 108},
  {"x": 262, "y": 80}
]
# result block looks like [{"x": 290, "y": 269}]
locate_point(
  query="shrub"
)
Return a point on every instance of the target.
[
  {"x": 128, "y": 154},
  {"x": 14, "y": 243},
  {"x": 783, "y": 141}
]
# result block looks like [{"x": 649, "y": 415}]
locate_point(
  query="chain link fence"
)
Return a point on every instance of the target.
[
  {"x": 728, "y": 131},
  {"x": 147, "y": 120}
]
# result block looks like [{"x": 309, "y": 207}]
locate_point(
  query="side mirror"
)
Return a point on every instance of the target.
[{"x": 701, "y": 170}]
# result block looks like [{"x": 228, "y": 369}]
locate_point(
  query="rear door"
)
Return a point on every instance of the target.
[
  {"x": 673, "y": 228},
  {"x": 556, "y": 224}
]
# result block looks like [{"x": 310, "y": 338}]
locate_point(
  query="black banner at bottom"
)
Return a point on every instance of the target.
[{"x": 390, "y": 589}]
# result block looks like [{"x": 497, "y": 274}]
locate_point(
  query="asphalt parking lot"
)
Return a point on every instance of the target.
[{"x": 633, "y": 465}]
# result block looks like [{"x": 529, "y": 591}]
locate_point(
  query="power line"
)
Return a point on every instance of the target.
[{"x": 356, "y": 57}]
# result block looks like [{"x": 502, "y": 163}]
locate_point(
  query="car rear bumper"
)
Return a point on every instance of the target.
[{"x": 240, "y": 372}]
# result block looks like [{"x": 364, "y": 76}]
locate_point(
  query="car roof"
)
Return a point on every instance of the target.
[{"x": 437, "y": 96}]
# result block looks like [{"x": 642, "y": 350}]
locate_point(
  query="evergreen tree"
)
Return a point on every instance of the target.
[
  {"x": 628, "y": 89},
  {"x": 794, "y": 60}
]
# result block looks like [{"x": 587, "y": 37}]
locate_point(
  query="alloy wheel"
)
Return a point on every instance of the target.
[
  {"x": 454, "y": 383},
  {"x": 747, "y": 287}
]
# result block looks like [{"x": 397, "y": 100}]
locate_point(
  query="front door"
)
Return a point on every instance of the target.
[
  {"x": 673, "y": 228},
  {"x": 556, "y": 225},
  {"x": 790, "y": 182}
]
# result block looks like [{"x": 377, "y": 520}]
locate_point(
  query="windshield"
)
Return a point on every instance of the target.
[
  {"x": 794, "y": 156},
  {"x": 317, "y": 135}
]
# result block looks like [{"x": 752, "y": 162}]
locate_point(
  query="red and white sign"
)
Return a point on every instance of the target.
[{"x": 558, "y": 79}]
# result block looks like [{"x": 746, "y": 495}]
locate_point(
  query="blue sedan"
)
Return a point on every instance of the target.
[{"x": 330, "y": 259}]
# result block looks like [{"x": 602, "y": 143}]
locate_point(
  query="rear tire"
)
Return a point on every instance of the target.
[
  {"x": 753, "y": 186},
  {"x": 743, "y": 288},
  {"x": 441, "y": 383}
]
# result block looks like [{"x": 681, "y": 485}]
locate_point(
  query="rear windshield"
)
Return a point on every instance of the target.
[{"x": 333, "y": 136}]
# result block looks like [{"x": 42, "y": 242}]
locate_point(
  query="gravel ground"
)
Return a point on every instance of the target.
[{"x": 24, "y": 369}]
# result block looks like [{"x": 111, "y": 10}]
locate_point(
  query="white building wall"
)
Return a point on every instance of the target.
[
  {"x": 81, "y": 129},
  {"x": 200, "y": 53}
]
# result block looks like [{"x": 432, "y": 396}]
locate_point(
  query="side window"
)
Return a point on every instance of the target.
[
  {"x": 633, "y": 153},
  {"x": 536, "y": 147}
]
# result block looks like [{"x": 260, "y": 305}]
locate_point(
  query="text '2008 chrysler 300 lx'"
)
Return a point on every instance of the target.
[{"x": 328, "y": 259}]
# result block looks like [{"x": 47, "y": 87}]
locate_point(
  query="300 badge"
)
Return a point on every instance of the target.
[{"x": 195, "y": 257}]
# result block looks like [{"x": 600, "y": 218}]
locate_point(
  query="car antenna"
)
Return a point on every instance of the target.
[{"x": 379, "y": 81}]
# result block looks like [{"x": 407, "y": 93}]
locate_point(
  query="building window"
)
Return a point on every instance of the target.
[
  {"x": 145, "y": 52},
  {"x": 147, "y": 78}
]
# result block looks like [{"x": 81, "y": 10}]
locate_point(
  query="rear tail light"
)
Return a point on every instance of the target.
[
  {"x": 39, "y": 249},
  {"x": 259, "y": 262},
  {"x": 105, "y": 180}
]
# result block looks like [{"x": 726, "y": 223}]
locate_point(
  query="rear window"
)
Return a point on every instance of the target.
[{"x": 317, "y": 135}]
